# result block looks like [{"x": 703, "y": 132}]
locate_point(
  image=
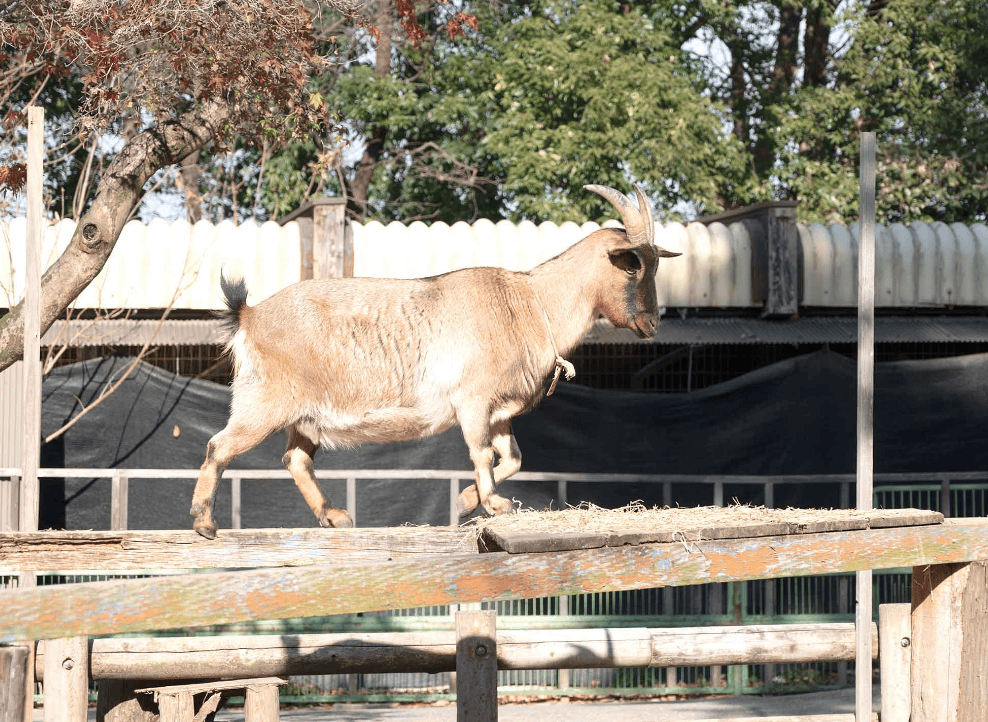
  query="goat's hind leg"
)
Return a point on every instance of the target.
[
  {"x": 235, "y": 439},
  {"x": 298, "y": 461}
]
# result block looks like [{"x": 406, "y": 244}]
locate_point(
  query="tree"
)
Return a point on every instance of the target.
[
  {"x": 184, "y": 74},
  {"x": 772, "y": 96}
]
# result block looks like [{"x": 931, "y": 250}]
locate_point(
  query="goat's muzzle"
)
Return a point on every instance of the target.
[{"x": 644, "y": 324}]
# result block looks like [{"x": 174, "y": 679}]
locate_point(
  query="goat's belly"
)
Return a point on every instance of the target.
[{"x": 381, "y": 426}]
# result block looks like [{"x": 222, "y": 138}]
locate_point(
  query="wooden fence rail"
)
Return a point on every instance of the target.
[
  {"x": 170, "y": 658},
  {"x": 117, "y": 607}
]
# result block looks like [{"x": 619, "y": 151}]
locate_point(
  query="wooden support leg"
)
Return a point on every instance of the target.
[
  {"x": 895, "y": 647},
  {"x": 177, "y": 707},
  {"x": 66, "y": 685},
  {"x": 949, "y": 667},
  {"x": 261, "y": 703},
  {"x": 13, "y": 672},
  {"x": 476, "y": 666}
]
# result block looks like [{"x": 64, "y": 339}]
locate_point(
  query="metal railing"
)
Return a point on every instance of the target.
[{"x": 944, "y": 481}]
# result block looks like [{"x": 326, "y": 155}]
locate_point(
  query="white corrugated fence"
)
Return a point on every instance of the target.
[{"x": 919, "y": 265}]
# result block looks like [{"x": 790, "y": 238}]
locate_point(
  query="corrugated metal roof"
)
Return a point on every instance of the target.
[
  {"x": 711, "y": 331},
  {"x": 920, "y": 265},
  {"x": 672, "y": 330},
  {"x": 134, "y": 333}
]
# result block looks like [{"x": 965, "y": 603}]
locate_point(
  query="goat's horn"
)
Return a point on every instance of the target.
[{"x": 638, "y": 222}]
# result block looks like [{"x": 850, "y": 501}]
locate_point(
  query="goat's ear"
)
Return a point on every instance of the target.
[
  {"x": 663, "y": 253},
  {"x": 625, "y": 259}
]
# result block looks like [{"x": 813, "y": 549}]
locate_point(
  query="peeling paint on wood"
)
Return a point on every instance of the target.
[{"x": 227, "y": 597}]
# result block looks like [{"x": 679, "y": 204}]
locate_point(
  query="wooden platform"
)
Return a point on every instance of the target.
[
  {"x": 332, "y": 587},
  {"x": 551, "y": 532}
]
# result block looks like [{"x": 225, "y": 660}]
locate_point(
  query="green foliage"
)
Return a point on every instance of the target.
[
  {"x": 582, "y": 93},
  {"x": 915, "y": 75}
]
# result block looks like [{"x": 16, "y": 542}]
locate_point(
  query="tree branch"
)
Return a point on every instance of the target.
[{"x": 97, "y": 233}]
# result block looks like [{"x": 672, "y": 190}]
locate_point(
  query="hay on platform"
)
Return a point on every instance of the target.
[{"x": 636, "y": 517}]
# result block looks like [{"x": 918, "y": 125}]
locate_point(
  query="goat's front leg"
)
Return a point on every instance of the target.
[
  {"x": 477, "y": 434},
  {"x": 506, "y": 446}
]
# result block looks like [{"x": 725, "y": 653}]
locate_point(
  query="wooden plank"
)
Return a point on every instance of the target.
[
  {"x": 883, "y": 518},
  {"x": 164, "y": 550},
  {"x": 13, "y": 672},
  {"x": 226, "y": 597},
  {"x": 949, "y": 668},
  {"x": 67, "y": 680},
  {"x": 895, "y": 640},
  {"x": 213, "y": 685},
  {"x": 526, "y": 542},
  {"x": 476, "y": 666}
]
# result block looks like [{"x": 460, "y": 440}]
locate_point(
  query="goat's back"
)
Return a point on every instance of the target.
[{"x": 342, "y": 349}]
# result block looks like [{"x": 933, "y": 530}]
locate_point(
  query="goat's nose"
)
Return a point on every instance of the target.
[{"x": 648, "y": 323}]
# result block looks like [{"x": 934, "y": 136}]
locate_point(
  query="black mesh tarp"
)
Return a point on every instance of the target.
[{"x": 794, "y": 417}]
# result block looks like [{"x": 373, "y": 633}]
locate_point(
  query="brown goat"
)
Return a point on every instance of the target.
[{"x": 343, "y": 362}]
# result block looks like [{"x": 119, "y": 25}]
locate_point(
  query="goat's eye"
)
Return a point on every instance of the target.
[{"x": 631, "y": 271}]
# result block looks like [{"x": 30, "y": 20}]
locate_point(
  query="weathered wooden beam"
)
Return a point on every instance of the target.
[
  {"x": 118, "y": 607},
  {"x": 169, "y": 550},
  {"x": 171, "y": 658},
  {"x": 949, "y": 666}
]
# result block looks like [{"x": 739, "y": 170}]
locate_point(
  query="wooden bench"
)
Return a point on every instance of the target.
[{"x": 176, "y": 702}]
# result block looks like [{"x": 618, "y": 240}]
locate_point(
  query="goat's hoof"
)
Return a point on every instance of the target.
[
  {"x": 467, "y": 501},
  {"x": 335, "y": 518},
  {"x": 205, "y": 528},
  {"x": 497, "y": 504}
]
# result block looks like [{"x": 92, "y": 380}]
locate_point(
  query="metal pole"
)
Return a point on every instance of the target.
[{"x": 866, "y": 414}]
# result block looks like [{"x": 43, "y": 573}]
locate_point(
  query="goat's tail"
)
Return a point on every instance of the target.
[{"x": 235, "y": 298}]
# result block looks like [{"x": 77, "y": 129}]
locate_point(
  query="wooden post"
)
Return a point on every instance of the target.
[
  {"x": 866, "y": 412},
  {"x": 454, "y": 492},
  {"x": 948, "y": 669},
  {"x": 476, "y": 666},
  {"x": 326, "y": 238},
  {"x": 351, "y": 499},
  {"x": 66, "y": 679},
  {"x": 13, "y": 672},
  {"x": 895, "y": 647},
  {"x": 28, "y": 501},
  {"x": 782, "y": 262},
  {"x": 235, "y": 502},
  {"x": 261, "y": 703},
  {"x": 119, "y": 486}
]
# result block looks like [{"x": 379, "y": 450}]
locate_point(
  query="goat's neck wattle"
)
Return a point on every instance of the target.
[{"x": 565, "y": 287}]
